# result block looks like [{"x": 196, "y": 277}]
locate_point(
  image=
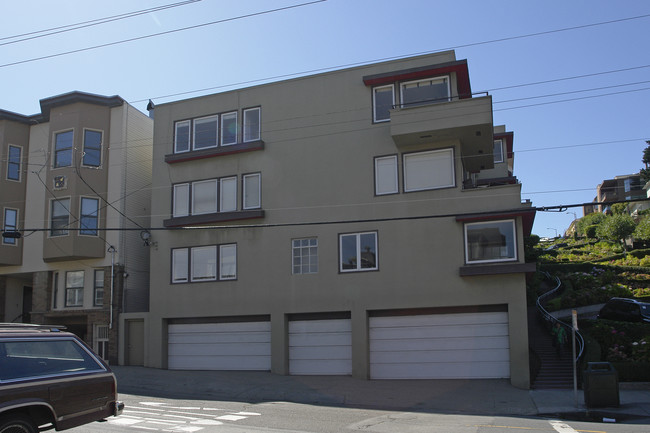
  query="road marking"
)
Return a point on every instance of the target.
[
  {"x": 248, "y": 413},
  {"x": 231, "y": 417}
]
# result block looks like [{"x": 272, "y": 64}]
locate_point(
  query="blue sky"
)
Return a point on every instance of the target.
[{"x": 565, "y": 144}]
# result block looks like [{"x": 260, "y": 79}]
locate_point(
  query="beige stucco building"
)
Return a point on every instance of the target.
[
  {"x": 360, "y": 222},
  {"x": 71, "y": 179}
]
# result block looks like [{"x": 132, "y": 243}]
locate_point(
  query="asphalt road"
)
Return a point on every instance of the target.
[{"x": 147, "y": 414}]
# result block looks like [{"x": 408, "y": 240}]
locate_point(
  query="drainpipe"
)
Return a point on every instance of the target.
[{"x": 111, "y": 250}]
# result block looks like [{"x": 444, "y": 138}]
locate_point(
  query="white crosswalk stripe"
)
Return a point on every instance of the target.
[{"x": 562, "y": 427}]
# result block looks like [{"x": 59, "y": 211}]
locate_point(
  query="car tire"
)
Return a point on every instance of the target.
[{"x": 17, "y": 424}]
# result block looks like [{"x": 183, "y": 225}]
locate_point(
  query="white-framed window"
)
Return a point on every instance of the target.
[
  {"x": 101, "y": 341},
  {"x": 204, "y": 263},
  {"x": 304, "y": 256},
  {"x": 89, "y": 221},
  {"x": 14, "y": 160},
  {"x": 386, "y": 175},
  {"x": 180, "y": 265},
  {"x": 383, "y": 100},
  {"x": 228, "y": 262},
  {"x": 252, "y": 124},
  {"x": 59, "y": 217},
  {"x": 498, "y": 151},
  {"x": 490, "y": 241},
  {"x": 181, "y": 200},
  {"x": 424, "y": 92},
  {"x": 204, "y": 197},
  {"x": 228, "y": 194},
  {"x": 432, "y": 169},
  {"x": 10, "y": 225},
  {"x": 206, "y": 132},
  {"x": 74, "y": 288},
  {"x": 358, "y": 252},
  {"x": 63, "y": 149},
  {"x": 182, "y": 136},
  {"x": 252, "y": 191},
  {"x": 98, "y": 288},
  {"x": 229, "y": 128},
  {"x": 92, "y": 150}
]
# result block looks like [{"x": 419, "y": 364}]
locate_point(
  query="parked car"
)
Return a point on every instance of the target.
[
  {"x": 626, "y": 310},
  {"x": 50, "y": 379}
]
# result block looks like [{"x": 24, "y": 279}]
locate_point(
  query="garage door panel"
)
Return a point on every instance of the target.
[
  {"x": 440, "y": 343},
  {"x": 220, "y": 346},
  {"x": 439, "y": 331},
  {"x": 441, "y": 356},
  {"x": 440, "y": 319},
  {"x": 320, "y": 347},
  {"x": 443, "y": 371}
]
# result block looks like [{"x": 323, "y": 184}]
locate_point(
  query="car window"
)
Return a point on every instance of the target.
[{"x": 25, "y": 359}]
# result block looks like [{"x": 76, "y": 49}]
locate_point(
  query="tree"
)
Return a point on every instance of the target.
[
  {"x": 642, "y": 231},
  {"x": 589, "y": 220},
  {"x": 616, "y": 228},
  {"x": 619, "y": 208},
  {"x": 645, "y": 172}
]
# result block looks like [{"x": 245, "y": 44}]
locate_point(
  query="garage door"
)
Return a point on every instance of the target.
[
  {"x": 220, "y": 346},
  {"x": 440, "y": 346},
  {"x": 320, "y": 347}
]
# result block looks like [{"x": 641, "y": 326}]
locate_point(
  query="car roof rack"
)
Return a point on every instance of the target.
[{"x": 53, "y": 328}]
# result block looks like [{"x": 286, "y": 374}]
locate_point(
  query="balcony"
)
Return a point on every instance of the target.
[{"x": 467, "y": 120}]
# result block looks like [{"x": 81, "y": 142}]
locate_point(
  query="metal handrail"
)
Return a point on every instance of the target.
[{"x": 548, "y": 317}]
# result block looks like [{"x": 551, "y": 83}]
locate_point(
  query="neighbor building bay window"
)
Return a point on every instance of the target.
[
  {"x": 63, "y": 149},
  {"x": 13, "y": 162},
  {"x": 92, "y": 154},
  {"x": 74, "y": 288},
  {"x": 490, "y": 241},
  {"x": 89, "y": 221},
  {"x": 10, "y": 225},
  {"x": 59, "y": 217}
]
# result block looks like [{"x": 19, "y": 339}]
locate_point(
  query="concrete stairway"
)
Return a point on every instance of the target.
[{"x": 556, "y": 372}]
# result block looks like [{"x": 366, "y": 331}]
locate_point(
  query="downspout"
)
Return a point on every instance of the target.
[{"x": 111, "y": 250}]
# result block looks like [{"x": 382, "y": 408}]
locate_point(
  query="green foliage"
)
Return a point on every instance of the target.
[
  {"x": 616, "y": 228},
  {"x": 590, "y": 231},
  {"x": 589, "y": 220},
  {"x": 642, "y": 230},
  {"x": 619, "y": 208},
  {"x": 620, "y": 341}
]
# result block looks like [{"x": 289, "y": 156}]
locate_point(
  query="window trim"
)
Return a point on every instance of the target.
[
  {"x": 188, "y": 255},
  {"x": 485, "y": 222},
  {"x": 56, "y": 151},
  {"x": 374, "y": 102},
  {"x": 245, "y": 206},
  {"x": 17, "y": 164},
  {"x": 96, "y": 287},
  {"x": 101, "y": 146},
  {"x": 444, "y": 78},
  {"x": 258, "y": 137},
  {"x": 501, "y": 154},
  {"x": 77, "y": 289},
  {"x": 64, "y": 231},
  {"x": 396, "y": 167},
  {"x": 205, "y": 119},
  {"x": 88, "y": 231},
  {"x": 358, "y": 252},
  {"x": 301, "y": 248},
  {"x": 452, "y": 159},
  {"x": 7, "y": 228}
]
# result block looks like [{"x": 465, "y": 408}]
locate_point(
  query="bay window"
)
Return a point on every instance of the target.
[{"x": 490, "y": 241}]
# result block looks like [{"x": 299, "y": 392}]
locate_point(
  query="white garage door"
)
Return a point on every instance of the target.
[
  {"x": 440, "y": 346},
  {"x": 320, "y": 347},
  {"x": 220, "y": 346}
]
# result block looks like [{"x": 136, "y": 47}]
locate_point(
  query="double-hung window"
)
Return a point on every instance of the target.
[
  {"x": 13, "y": 162},
  {"x": 59, "y": 217},
  {"x": 383, "y": 99},
  {"x": 358, "y": 252},
  {"x": 92, "y": 154},
  {"x": 423, "y": 92},
  {"x": 181, "y": 200},
  {"x": 182, "y": 136},
  {"x": 490, "y": 241},
  {"x": 386, "y": 175},
  {"x": 10, "y": 225},
  {"x": 228, "y": 194},
  {"x": 63, "y": 149},
  {"x": 252, "y": 191},
  {"x": 206, "y": 132},
  {"x": 74, "y": 288},
  {"x": 205, "y": 197},
  {"x": 205, "y": 263},
  {"x": 498, "y": 151},
  {"x": 429, "y": 170},
  {"x": 89, "y": 221},
  {"x": 252, "y": 124},
  {"x": 229, "y": 128},
  {"x": 305, "y": 256},
  {"x": 98, "y": 288}
]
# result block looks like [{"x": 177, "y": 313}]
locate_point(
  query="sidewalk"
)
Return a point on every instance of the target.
[{"x": 480, "y": 397}]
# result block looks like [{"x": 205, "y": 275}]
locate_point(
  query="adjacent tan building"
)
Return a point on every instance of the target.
[
  {"x": 360, "y": 222},
  {"x": 72, "y": 178}
]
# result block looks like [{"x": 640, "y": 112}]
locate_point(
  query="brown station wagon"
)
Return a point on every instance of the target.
[{"x": 50, "y": 379}]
